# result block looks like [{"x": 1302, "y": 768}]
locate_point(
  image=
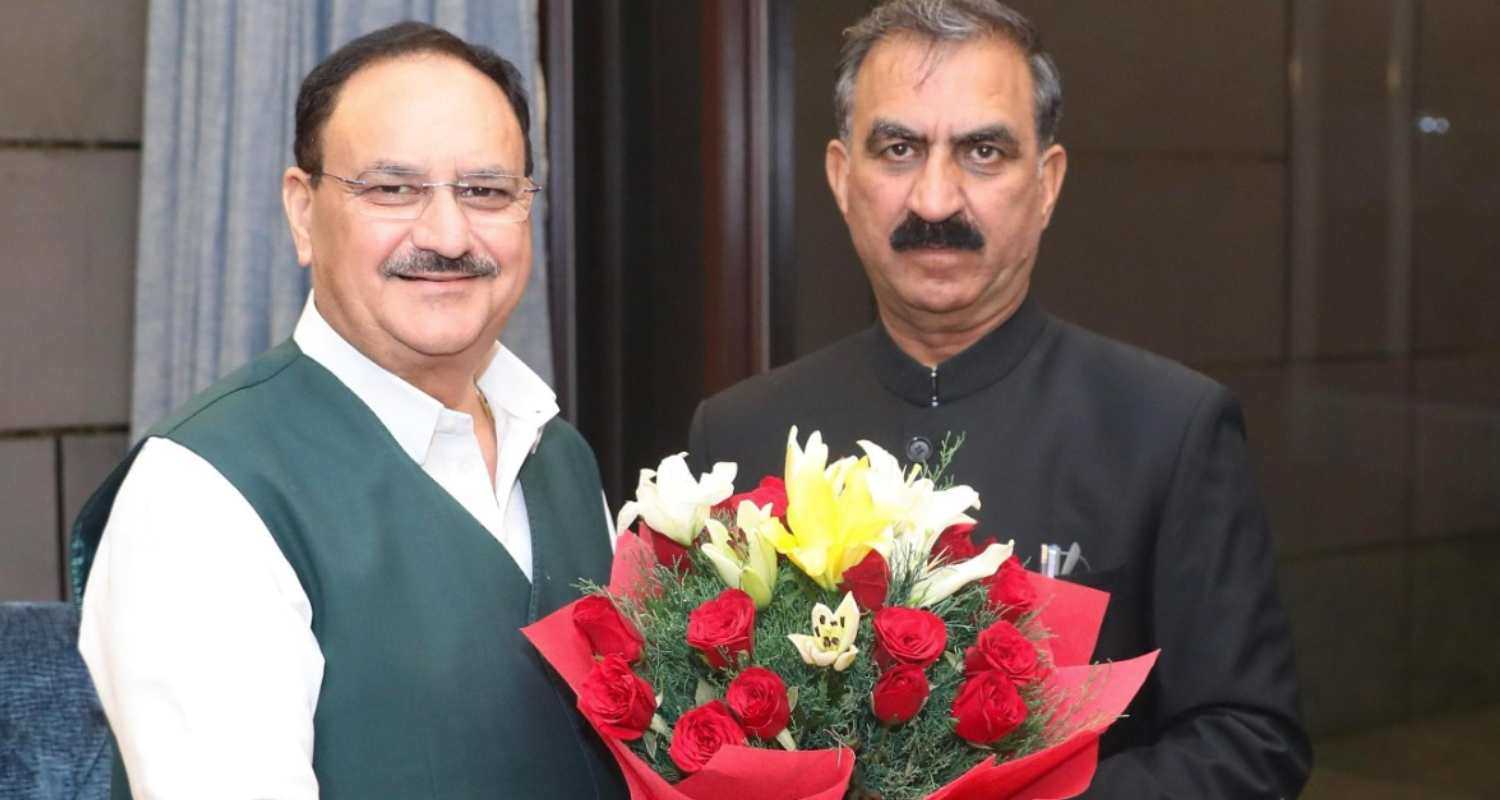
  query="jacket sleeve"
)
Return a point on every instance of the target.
[
  {"x": 698, "y": 457},
  {"x": 1227, "y": 690}
]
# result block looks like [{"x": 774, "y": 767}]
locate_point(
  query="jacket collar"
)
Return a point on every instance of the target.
[
  {"x": 514, "y": 391},
  {"x": 980, "y": 365}
]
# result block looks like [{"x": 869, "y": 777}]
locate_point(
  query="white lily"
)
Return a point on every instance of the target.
[
  {"x": 672, "y": 502},
  {"x": 832, "y": 642},
  {"x": 922, "y": 511},
  {"x": 938, "y": 584},
  {"x": 755, "y": 572}
]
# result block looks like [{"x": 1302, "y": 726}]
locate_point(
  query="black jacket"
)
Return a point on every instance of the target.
[{"x": 1073, "y": 437}]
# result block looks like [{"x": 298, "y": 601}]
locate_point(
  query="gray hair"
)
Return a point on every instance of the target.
[{"x": 950, "y": 21}]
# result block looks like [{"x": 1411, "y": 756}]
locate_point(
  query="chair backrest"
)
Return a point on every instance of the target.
[{"x": 54, "y": 742}]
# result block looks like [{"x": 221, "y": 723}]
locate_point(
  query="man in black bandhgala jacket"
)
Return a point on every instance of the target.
[{"x": 946, "y": 169}]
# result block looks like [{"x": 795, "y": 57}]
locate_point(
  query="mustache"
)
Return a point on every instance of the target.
[
  {"x": 953, "y": 233},
  {"x": 425, "y": 262}
]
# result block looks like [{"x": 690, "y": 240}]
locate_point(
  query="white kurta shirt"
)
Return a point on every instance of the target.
[{"x": 195, "y": 628}]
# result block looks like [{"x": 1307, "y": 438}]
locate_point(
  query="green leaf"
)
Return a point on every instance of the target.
[
  {"x": 706, "y": 692},
  {"x": 955, "y": 660},
  {"x": 649, "y": 739},
  {"x": 791, "y": 697}
]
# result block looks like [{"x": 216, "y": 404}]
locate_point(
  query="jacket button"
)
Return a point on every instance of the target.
[{"x": 918, "y": 450}]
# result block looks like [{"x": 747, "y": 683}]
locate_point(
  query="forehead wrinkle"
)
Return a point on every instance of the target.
[
  {"x": 393, "y": 167},
  {"x": 909, "y": 64},
  {"x": 386, "y": 109},
  {"x": 486, "y": 171},
  {"x": 406, "y": 169}
]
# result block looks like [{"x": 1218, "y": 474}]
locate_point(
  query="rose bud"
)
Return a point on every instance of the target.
[
  {"x": 987, "y": 708},
  {"x": 723, "y": 627},
  {"x": 668, "y": 552},
  {"x": 956, "y": 543},
  {"x": 1002, "y": 647},
  {"x": 1010, "y": 591},
  {"x": 908, "y": 636},
  {"x": 607, "y": 631},
  {"x": 868, "y": 581},
  {"x": 900, "y": 694},
  {"x": 700, "y": 733},
  {"x": 617, "y": 701},
  {"x": 758, "y": 699}
]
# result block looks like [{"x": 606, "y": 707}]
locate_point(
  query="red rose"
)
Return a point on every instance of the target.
[
  {"x": 758, "y": 699},
  {"x": 900, "y": 694},
  {"x": 618, "y": 702},
  {"x": 868, "y": 580},
  {"x": 908, "y": 636},
  {"x": 771, "y": 490},
  {"x": 955, "y": 543},
  {"x": 607, "y": 631},
  {"x": 1001, "y": 646},
  {"x": 987, "y": 708},
  {"x": 723, "y": 627},
  {"x": 700, "y": 733},
  {"x": 667, "y": 551},
  {"x": 1010, "y": 591}
]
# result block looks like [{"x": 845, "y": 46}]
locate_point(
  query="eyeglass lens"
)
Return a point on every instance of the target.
[{"x": 499, "y": 198}]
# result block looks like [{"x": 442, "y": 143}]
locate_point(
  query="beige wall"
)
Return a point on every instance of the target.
[{"x": 70, "y": 130}]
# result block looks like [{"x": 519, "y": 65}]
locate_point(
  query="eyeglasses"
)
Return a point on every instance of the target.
[{"x": 485, "y": 199}]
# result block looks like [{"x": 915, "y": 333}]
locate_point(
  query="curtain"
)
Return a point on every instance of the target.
[{"x": 217, "y": 280}]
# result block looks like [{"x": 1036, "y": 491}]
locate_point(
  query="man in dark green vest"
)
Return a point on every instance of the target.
[{"x": 308, "y": 582}]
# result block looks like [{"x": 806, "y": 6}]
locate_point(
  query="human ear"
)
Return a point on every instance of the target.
[
  {"x": 836, "y": 163},
  {"x": 297, "y": 202},
  {"x": 1051, "y": 171}
]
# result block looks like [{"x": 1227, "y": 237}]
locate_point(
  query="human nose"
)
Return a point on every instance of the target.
[
  {"x": 442, "y": 227},
  {"x": 937, "y": 194}
]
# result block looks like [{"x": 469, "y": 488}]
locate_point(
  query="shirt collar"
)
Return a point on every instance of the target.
[
  {"x": 410, "y": 414},
  {"x": 976, "y": 367}
]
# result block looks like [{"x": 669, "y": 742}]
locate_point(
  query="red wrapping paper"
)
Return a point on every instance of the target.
[{"x": 1071, "y": 612}]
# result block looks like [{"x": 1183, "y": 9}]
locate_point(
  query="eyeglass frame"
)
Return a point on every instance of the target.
[{"x": 530, "y": 191}]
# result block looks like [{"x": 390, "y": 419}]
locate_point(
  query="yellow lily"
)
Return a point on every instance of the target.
[{"x": 833, "y": 520}]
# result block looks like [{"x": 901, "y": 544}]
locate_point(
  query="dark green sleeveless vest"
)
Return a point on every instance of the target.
[{"x": 429, "y": 688}]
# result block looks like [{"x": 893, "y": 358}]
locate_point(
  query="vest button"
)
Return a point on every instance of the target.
[{"x": 918, "y": 450}]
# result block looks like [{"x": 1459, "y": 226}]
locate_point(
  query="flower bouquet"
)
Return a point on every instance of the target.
[{"x": 833, "y": 633}]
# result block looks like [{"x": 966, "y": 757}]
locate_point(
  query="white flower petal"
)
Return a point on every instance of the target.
[
  {"x": 724, "y": 563},
  {"x": 628, "y": 515},
  {"x": 944, "y": 581},
  {"x": 807, "y": 647}
]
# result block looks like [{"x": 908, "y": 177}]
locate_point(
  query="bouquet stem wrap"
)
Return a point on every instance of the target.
[{"x": 1071, "y": 612}]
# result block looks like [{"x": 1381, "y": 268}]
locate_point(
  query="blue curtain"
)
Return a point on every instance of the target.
[{"x": 217, "y": 281}]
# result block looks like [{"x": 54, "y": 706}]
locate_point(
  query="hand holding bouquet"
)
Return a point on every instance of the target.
[{"x": 836, "y": 632}]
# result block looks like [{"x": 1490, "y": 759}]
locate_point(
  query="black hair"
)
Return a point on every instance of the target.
[{"x": 320, "y": 89}]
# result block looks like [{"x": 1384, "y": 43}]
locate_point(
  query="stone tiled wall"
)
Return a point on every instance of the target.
[{"x": 70, "y": 130}]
